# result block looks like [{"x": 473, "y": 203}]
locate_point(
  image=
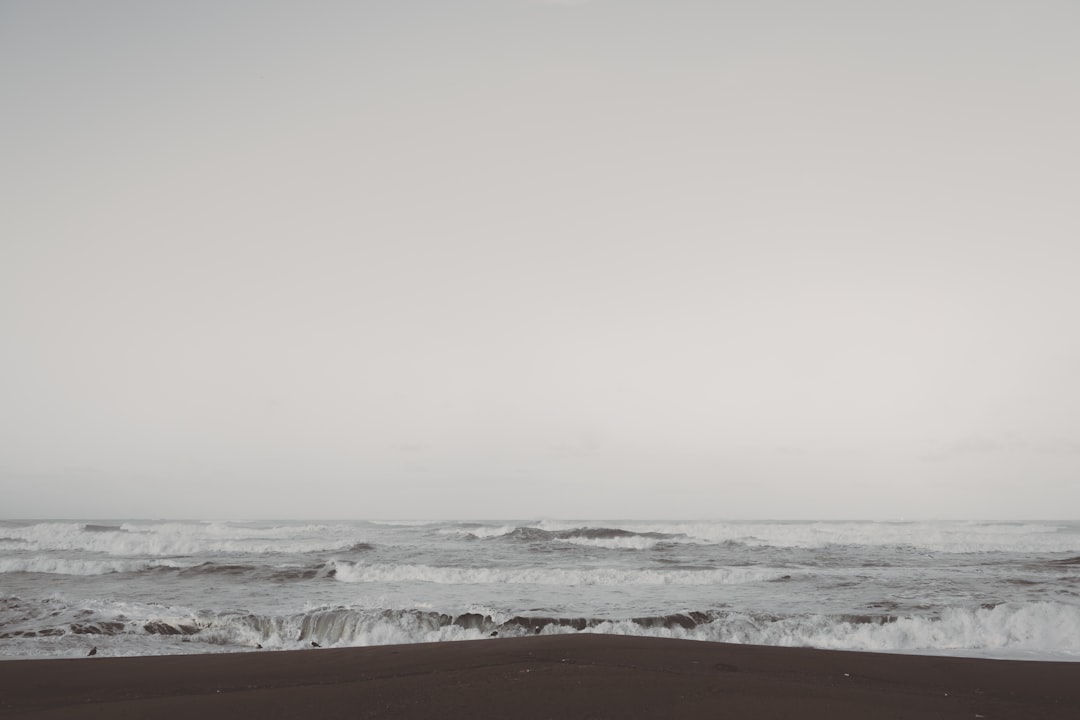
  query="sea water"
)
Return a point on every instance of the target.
[{"x": 990, "y": 589}]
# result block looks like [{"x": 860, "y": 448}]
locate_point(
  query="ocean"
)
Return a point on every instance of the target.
[{"x": 134, "y": 587}]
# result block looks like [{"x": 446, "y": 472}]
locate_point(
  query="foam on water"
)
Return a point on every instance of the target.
[
  {"x": 1043, "y": 627},
  {"x": 612, "y": 538},
  {"x": 1034, "y": 630},
  {"x": 136, "y": 587},
  {"x": 1038, "y": 627},
  {"x": 381, "y": 573},
  {"x": 171, "y": 539},
  {"x": 952, "y": 537},
  {"x": 63, "y": 566},
  {"x": 630, "y": 542},
  {"x": 479, "y": 531}
]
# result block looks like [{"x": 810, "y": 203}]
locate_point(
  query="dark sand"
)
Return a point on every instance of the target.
[{"x": 568, "y": 676}]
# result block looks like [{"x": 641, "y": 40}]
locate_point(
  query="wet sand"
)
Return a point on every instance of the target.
[{"x": 567, "y": 676}]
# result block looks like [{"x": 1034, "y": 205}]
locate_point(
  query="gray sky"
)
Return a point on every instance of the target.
[{"x": 482, "y": 258}]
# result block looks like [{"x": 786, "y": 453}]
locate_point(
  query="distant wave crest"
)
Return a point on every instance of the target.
[
  {"x": 61, "y": 566},
  {"x": 947, "y": 537},
  {"x": 612, "y": 538},
  {"x": 180, "y": 539},
  {"x": 381, "y": 573}
]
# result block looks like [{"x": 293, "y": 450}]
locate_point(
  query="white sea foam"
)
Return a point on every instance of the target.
[
  {"x": 384, "y": 573},
  {"x": 479, "y": 531},
  {"x": 88, "y": 616},
  {"x": 952, "y": 537},
  {"x": 1040, "y": 627},
  {"x": 1034, "y": 630},
  {"x": 167, "y": 539},
  {"x": 63, "y": 566},
  {"x": 622, "y": 542},
  {"x": 370, "y": 584}
]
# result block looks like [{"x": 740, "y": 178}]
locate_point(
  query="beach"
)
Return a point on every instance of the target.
[{"x": 557, "y": 676}]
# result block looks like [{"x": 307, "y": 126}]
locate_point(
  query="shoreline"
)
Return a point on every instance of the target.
[{"x": 563, "y": 676}]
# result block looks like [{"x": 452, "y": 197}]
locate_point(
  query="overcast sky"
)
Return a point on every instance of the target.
[{"x": 522, "y": 258}]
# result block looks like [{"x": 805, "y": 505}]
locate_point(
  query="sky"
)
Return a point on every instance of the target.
[{"x": 525, "y": 258}]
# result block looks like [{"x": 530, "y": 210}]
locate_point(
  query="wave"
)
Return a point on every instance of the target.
[
  {"x": 631, "y": 542},
  {"x": 617, "y": 538},
  {"x": 947, "y": 537},
  {"x": 386, "y": 573},
  {"x": 55, "y": 616},
  {"x": 61, "y": 566},
  {"x": 201, "y": 538},
  {"x": 1040, "y": 628},
  {"x": 614, "y": 538},
  {"x": 179, "y": 539},
  {"x": 611, "y": 538},
  {"x": 66, "y": 566},
  {"x": 1066, "y": 561},
  {"x": 476, "y": 531}
]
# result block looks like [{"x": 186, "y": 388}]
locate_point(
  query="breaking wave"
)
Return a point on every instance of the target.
[
  {"x": 1042, "y": 627},
  {"x": 601, "y": 537},
  {"x": 950, "y": 537},
  {"x": 629, "y": 542}
]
